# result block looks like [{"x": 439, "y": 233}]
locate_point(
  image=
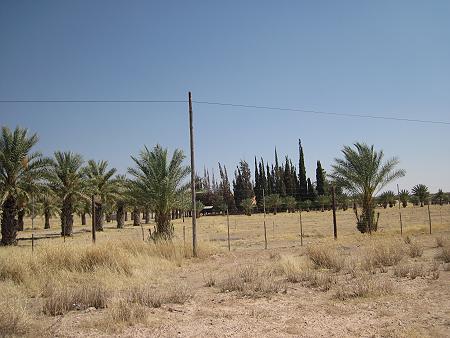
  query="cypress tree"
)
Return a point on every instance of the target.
[
  {"x": 303, "y": 185},
  {"x": 311, "y": 194},
  {"x": 225, "y": 189},
  {"x": 320, "y": 179},
  {"x": 258, "y": 186},
  {"x": 242, "y": 184},
  {"x": 269, "y": 181}
]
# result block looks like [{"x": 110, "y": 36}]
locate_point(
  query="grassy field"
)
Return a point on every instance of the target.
[{"x": 359, "y": 285}]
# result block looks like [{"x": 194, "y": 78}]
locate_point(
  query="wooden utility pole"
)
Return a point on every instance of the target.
[
  {"x": 93, "y": 219},
  {"x": 265, "y": 230},
  {"x": 194, "y": 209},
  {"x": 333, "y": 196},
  {"x": 400, "y": 211},
  {"x": 228, "y": 228}
]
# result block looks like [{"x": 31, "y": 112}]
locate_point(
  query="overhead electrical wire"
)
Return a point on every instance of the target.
[{"x": 235, "y": 105}]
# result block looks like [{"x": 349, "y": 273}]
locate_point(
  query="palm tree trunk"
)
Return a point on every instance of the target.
[
  {"x": 120, "y": 216},
  {"x": 136, "y": 217},
  {"x": 47, "y": 219},
  {"x": 67, "y": 218},
  {"x": 98, "y": 217},
  {"x": 83, "y": 218},
  {"x": 147, "y": 216},
  {"x": 163, "y": 227},
  {"x": 126, "y": 215},
  {"x": 20, "y": 216},
  {"x": 9, "y": 225}
]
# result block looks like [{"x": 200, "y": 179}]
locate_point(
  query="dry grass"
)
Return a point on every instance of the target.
[
  {"x": 249, "y": 281},
  {"x": 445, "y": 254},
  {"x": 364, "y": 286},
  {"x": 325, "y": 256},
  {"x": 415, "y": 270},
  {"x": 155, "y": 297},
  {"x": 120, "y": 311},
  {"x": 12, "y": 269},
  {"x": 441, "y": 241},
  {"x": 382, "y": 253},
  {"x": 14, "y": 319},
  {"x": 64, "y": 299},
  {"x": 415, "y": 249}
]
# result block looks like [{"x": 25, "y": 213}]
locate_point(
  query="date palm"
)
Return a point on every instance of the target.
[
  {"x": 100, "y": 182},
  {"x": 19, "y": 167},
  {"x": 363, "y": 172},
  {"x": 158, "y": 181},
  {"x": 404, "y": 197},
  {"x": 120, "y": 201},
  {"x": 421, "y": 192},
  {"x": 387, "y": 198},
  {"x": 66, "y": 181},
  {"x": 47, "y": 205}
]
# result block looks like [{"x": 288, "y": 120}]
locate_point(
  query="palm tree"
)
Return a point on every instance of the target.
[
  {"x": 19, "y": 167},
  {"x": 158, "y": 180},
  {"x": 121, "y": 186},
  {"x": 66, "y": 181},
  {"x": 439, "y": 197},
  {"x": 387, "y": 198},
  {"x": 247, "y": 205},
  {"x": 404, "y": 197},
  {"x": 83, "y": 207},
  {"x": 100, "y": 182},
  {"x": 47, "y": 205},
  {"x": 363, "y": 172},
  {"x": 421, "y": 192},
  {"x": 273, "y": 202},
  {"x": 290, "y": 203}
]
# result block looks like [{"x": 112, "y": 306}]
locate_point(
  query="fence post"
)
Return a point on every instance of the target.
[
  {"x": 265, "y": 230},
  {"x": 228, "y": 229},
  {"x": 429, "y": 215},
  {"x": 333, "y": 195},
  {"x": 301, "y": 227},
  {"x": 400, "y": 211}
]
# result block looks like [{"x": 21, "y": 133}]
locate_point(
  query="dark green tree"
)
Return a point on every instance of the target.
[
  {"x": 242, "y": 184},
  {"x": 303, "y": 184},
  {"x": 320, "y": 179}
]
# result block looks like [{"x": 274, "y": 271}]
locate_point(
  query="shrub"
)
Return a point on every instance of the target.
[
  {"x": 445, "y": 254},
  {"x": 441, "y": 241},
  {"x": 415, "y": 249},
  {"x": 122, "y": 311}
]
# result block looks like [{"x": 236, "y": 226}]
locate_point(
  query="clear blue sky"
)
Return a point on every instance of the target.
[{"x": 388, "y": 58}]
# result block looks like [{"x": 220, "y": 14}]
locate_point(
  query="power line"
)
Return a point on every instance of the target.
[
  {"x": 93, "y": 101},
  {"x": 235, "y": 105},
  {"x": 322, "y": 112}
]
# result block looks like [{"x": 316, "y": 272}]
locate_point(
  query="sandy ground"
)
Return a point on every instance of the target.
[{"x": 418, "y": 307}]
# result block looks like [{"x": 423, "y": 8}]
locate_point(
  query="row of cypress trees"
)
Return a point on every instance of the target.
[{"x": 274, "y": 179}]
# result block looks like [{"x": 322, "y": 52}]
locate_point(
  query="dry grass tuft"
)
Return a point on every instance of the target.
[
  {"x": 249, "y": 281},
  {"x": 441, "y": 241},
  {"x": 324, "y": 256},
  {"x": 64, "y": 299},
  {"x": 12, "y": 269},
  {"x": 413, "y": 271},
  {"x": 364, "y": 286},
  {"x": 415, "y": 249},
  {"x": 445, "y": 253},
  {"x": 209, "y": 281},
  {"x": 383, "y": 253},
  {"x": 123, "y": 312},
  {"x": 153, "y": 297},
  {"x": 14, "y": 319}
]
